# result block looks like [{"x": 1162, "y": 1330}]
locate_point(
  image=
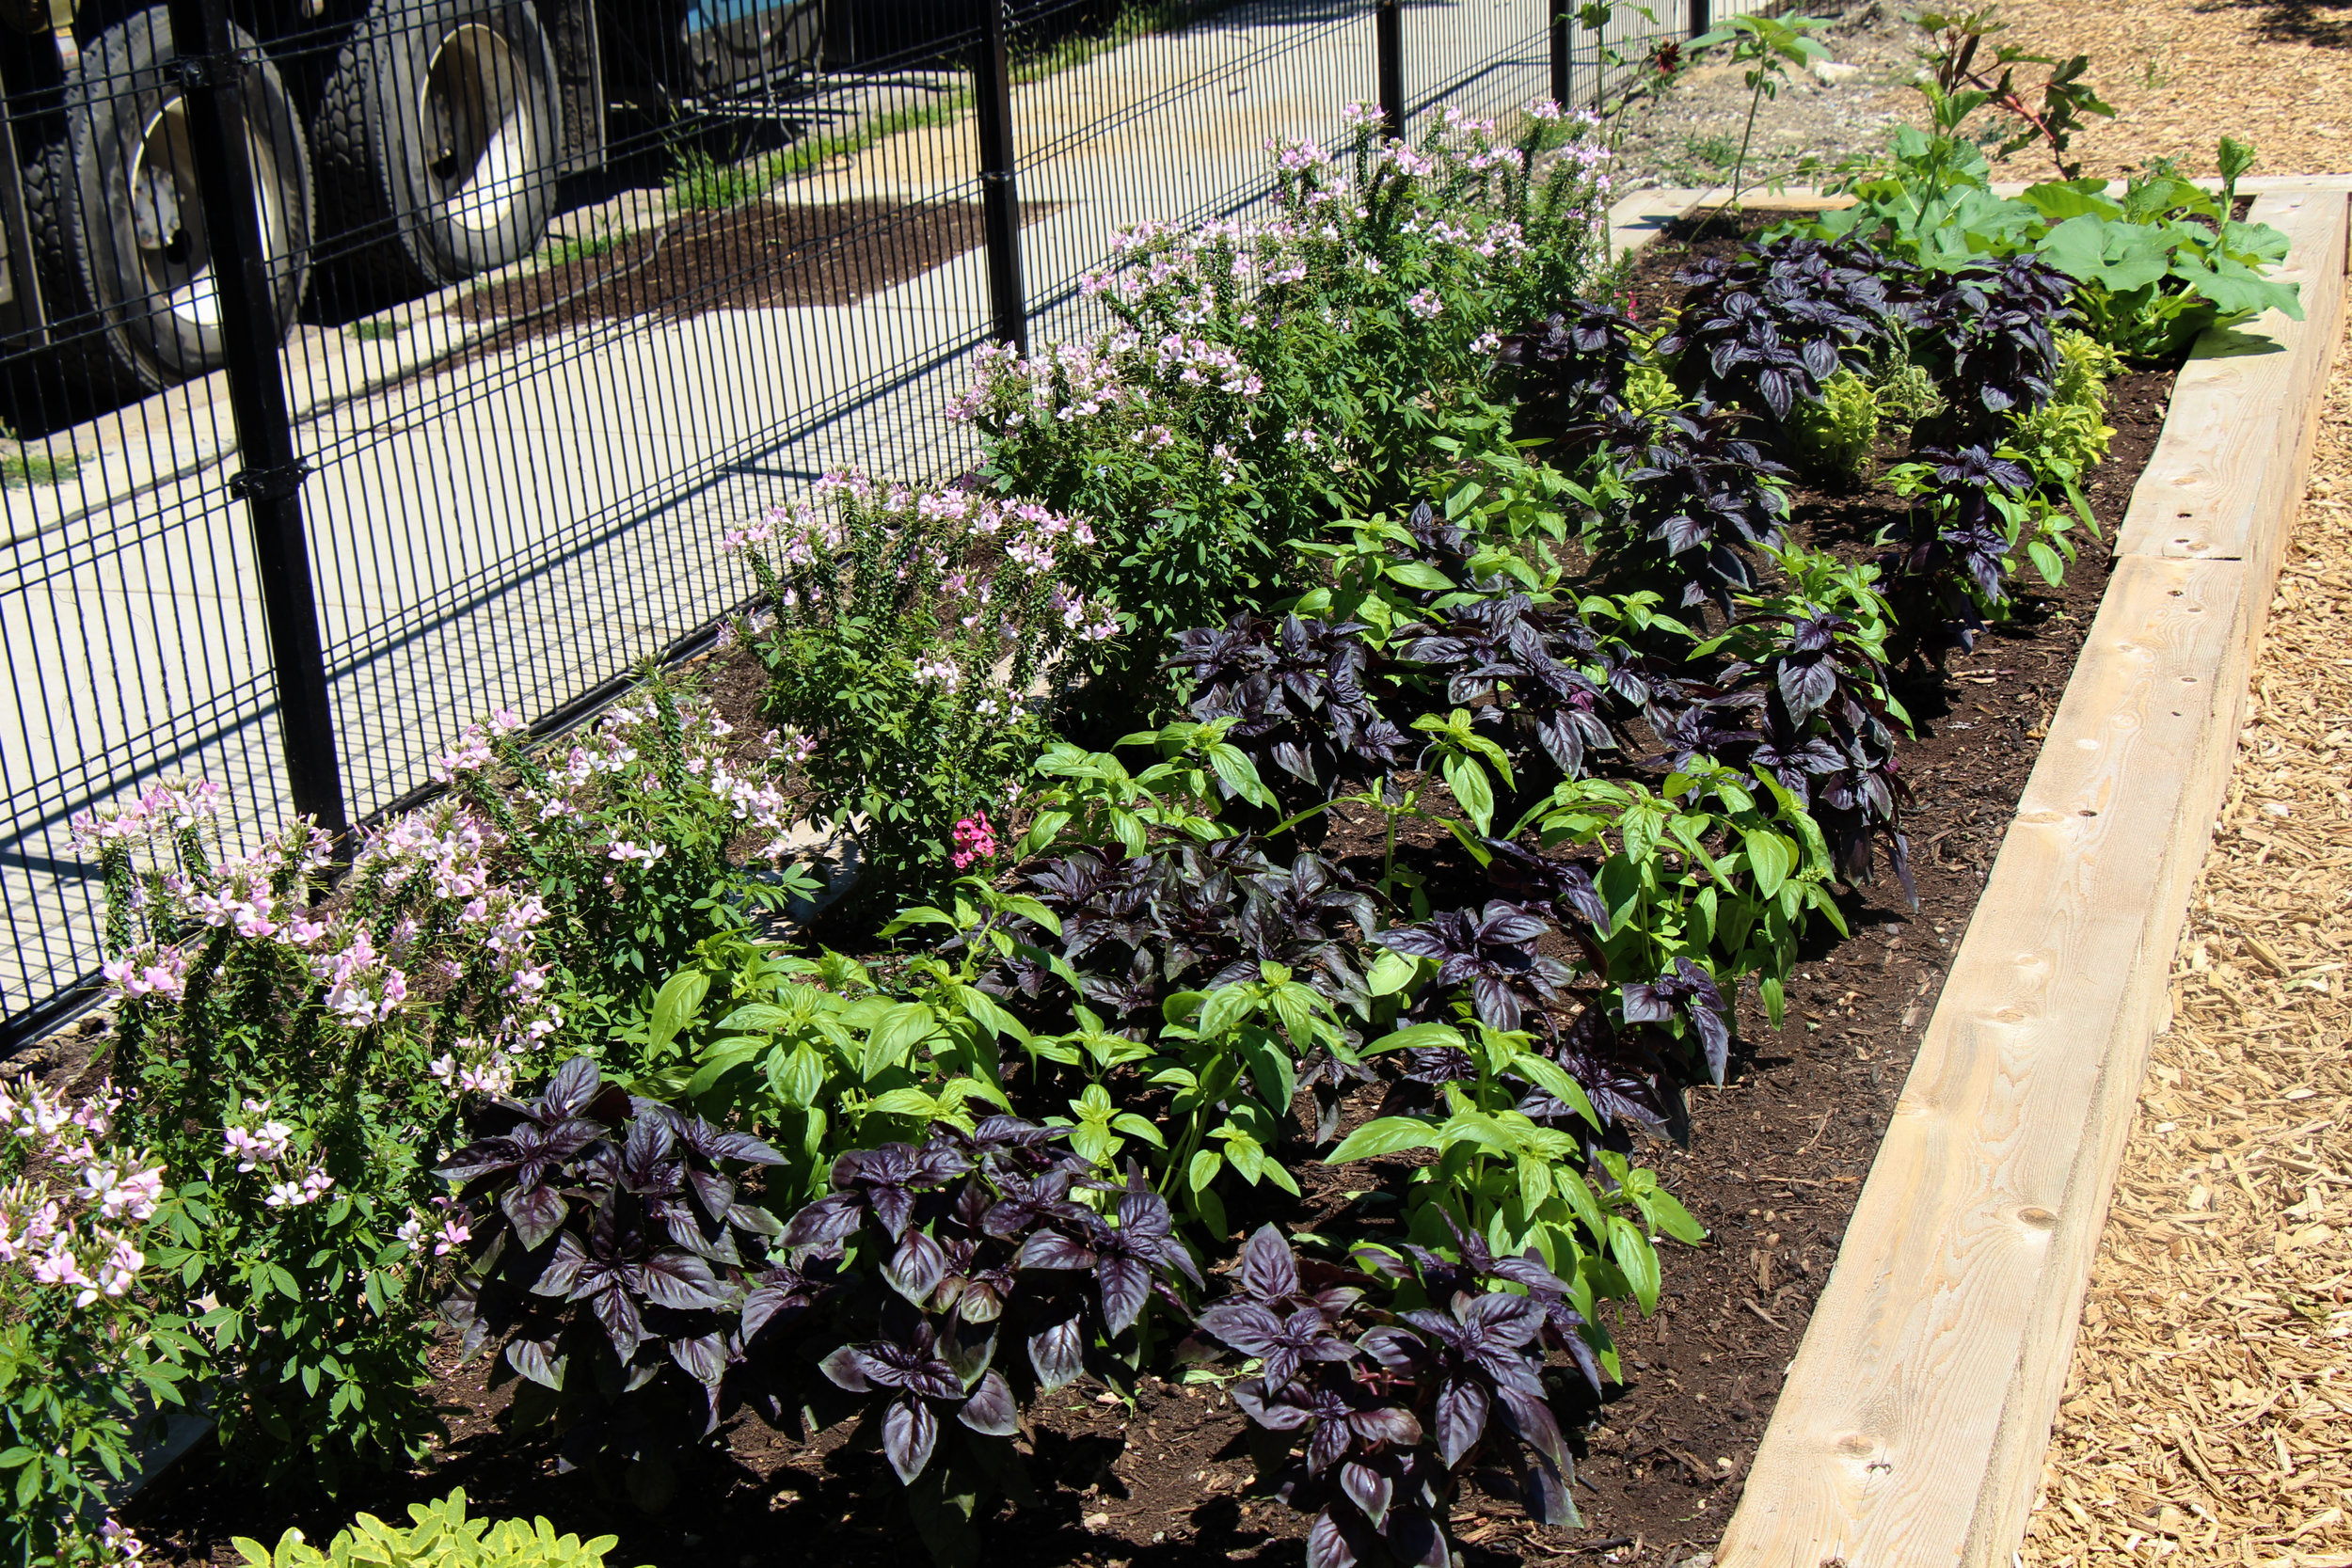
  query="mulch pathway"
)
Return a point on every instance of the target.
[{"x": 2205, "y": 1415}]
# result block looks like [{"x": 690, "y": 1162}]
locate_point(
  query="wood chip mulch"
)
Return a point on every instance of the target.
[
  {"x": 2207, "y": 1417},
  {"x": 2208, "y": 1414},
  {"x": 2180, "y": 73}
]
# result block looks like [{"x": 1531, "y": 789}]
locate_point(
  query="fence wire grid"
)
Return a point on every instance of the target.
[{"x": 439, "y": 398}]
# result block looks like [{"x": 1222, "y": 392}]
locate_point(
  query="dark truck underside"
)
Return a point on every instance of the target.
[{"x": 399, "y": 145}]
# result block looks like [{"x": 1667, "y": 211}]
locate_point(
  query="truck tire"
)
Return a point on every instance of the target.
[
  {"x": 439, "y": 141},
  {"x": 117, "y": 229}
]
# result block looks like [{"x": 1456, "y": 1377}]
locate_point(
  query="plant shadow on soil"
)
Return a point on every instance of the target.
[
  {"x": 1776, "y": 1161},
  {"x": 2322, "y": 23}
]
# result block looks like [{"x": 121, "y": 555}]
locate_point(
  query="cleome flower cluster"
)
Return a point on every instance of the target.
[{"x": 71, "y": 1229}]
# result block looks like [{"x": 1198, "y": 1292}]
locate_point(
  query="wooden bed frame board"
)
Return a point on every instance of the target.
[{"x": 1913, "y": 1423}]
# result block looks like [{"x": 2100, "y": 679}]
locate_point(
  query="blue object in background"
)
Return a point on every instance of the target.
[{"x": 716, "y": 13}]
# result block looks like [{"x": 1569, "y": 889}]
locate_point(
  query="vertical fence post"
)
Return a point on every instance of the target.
[
  {"x": 1389, "y": 29},
  {"x": 1001, "y": 195},
  {"x": 1702, "y": 17},
  {"x": 1562, "y": 65},
  {"x": 213, "y": 83}
]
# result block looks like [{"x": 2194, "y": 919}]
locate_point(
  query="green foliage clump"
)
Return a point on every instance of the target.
[
  {"x": 1833, "y": 439},
  {"x": 293, "y": 1086},
  {"x": 442, "y": 1537},
  {"x": 1907, "y": 396},
  {"x": 641, "y": 835},
  {"x": 85, "y": 1359},
  {"x": 2067, "y": 436},
  {"x": 918, "y": 636}
]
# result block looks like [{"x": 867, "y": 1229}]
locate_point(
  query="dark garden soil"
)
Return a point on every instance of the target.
[
  {"x": 761, "y": 255},
  {"x": 1775, "y": 1160}
]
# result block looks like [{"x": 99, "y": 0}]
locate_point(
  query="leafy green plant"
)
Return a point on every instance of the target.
[
  {"x": 2066, "y": 436},
  {"x": 1514, "y": 1180},
  {"x": 818, "y": 1057},
  {"x": 2167, "y": 262},
  {"x": 704, "y": 182},
  {"x": 1952, "y": 58},
  {"x": 1763, "y": 47},
  {"x": 1719, "y": 869},
  {"x": 1260, "y": 380},
  {"x": 2152, "y": 269},
  {"x": 85, "y": 1359},
  {"x": 21, "y": 466},
  {"x": 563, "y": 249},
  {"x": 294, "y": 1084},
  {"x": 1834, "y": 437},
  {"x": 916, "y": 637},
  {"x": 644, "y": 835},
  {"x": 440, "y": 1537}
]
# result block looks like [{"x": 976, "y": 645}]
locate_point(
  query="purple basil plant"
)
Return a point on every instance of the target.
[{"x": 1389, "y": 1389}]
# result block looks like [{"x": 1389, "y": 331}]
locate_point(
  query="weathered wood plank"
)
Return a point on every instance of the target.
[
  {"x": 1914, "y": 1421},
  {"x": 2240, "y": 425}
]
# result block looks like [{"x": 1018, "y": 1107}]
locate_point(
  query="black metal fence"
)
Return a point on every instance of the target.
[{"x": 370, "y": 364}]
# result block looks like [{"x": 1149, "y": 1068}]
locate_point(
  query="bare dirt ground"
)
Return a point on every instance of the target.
[{"x": 1693, "y": 136}]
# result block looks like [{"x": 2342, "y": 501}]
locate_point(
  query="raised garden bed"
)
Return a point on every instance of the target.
[
  {"x": 1922, "y": 1399},
  {"x": 1779, "y": 1153}
]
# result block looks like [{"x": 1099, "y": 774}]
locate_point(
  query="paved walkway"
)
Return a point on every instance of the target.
[{"x": 515, "y": 532}]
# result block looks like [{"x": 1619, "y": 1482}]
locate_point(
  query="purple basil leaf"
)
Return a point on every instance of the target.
[
  {"x": 1532, "y": 1418},
  {"x": 908, "y": 1431},
  {"x": 676, "y": 1278},
  {"x": 573, "y": 1086},
  {"x": 535, "y": 1212},
  {"x": 1386, "y": 1424},
  {"x": 714, "y": 1144},
  {"x": 1274, "y": 1415},
  {"x": 1326, "y": 1543},
  {"x": 1057, "y": 1352},
  {"x": 828, "y": 1219},
  {"x": 1643, "y": 1005},
  {"x": 916, "y": 1268},
  {"x": 1047, "y": 1249},
  {"x": 1500, "y": 1319},
  {"x": 846, "y": 1369},
  {"x": 563, "y": 1270},
  {"x": 1415, "y": 941},
  {"x": 1368, "y": 1489},
  {"x": 991, "y": 1410},
  {"x": 485, "y": 1156},
  {"x": 1245, "y": 1327},
  {"x": 531, "y": 1359},
  {"x": 1497, "y": 1007},
  {"x": 703, "y": 1357},
  {"x": 714, "y": 1192},
  {"x": 618, "y": 1314},
  {"x": 1716, "y": 1037},
  {"x": 1415, "y": 1541},
  {"x": 1125, "y": 1285},
  {"x": 1546, "y": 1496},
  {"x": 1394, "y": 1348},
  {"x": 1328, "y": 1445},
  {"x": 1460, "y": 1419}
]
